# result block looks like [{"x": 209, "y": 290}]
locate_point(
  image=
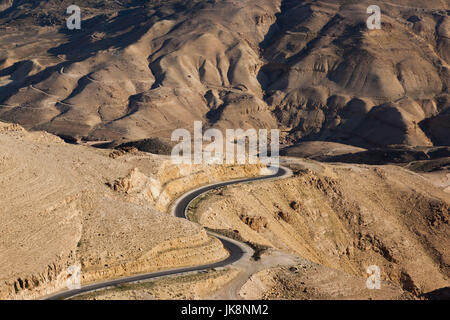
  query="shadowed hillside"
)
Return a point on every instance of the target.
[{"x": 139, "y": 69}]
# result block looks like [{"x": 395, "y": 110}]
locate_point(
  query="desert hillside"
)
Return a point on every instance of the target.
[
  {"x": 140, "y": 69},
  {"x": 107, "y": 211},
  {"x": 344, "y": 217},
  {"x": 86, "y": 118},
  {"x": 64, "y": 205}
]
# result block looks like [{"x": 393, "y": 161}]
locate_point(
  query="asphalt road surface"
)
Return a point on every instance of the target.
[{"x": 236, "y": 249}]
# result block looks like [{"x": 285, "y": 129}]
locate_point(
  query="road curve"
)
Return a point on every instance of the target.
[{"x": 237, "y": 250}]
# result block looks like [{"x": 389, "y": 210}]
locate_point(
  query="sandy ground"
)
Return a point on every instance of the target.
[
  {"x": 105, "y": 212},
  {"x": 274, "y": 275},
  {"x": 186, "y": 286},
  {"x": 66, "y": 205},
  {"x": 345, "y": 217},
  {"x": 307, "y": 68},
  {"x": 327, "y": 273},
  {"x": 440, "y": 179}
]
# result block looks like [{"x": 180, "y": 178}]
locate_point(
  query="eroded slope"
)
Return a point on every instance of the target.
[
  {"x": 345, "y": 217},
  {"x": 64, "y": 205},
  {"x": 141, "y": 69}
]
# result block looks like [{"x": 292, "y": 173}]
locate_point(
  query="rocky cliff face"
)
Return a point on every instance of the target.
[
  {"x": 140, "y": 69},
  {"x": 345, "y": 217},
  {"x": 59, "y": 208}
]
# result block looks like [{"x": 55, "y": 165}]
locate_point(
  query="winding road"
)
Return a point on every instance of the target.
[{"x": 237, "y": 250}]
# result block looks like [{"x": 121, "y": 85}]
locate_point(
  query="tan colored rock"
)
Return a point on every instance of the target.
[
  {"x": 57, "y": 211},
  {"x": 347, "y": 217},
  {"x": 311, "y": 68}
]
